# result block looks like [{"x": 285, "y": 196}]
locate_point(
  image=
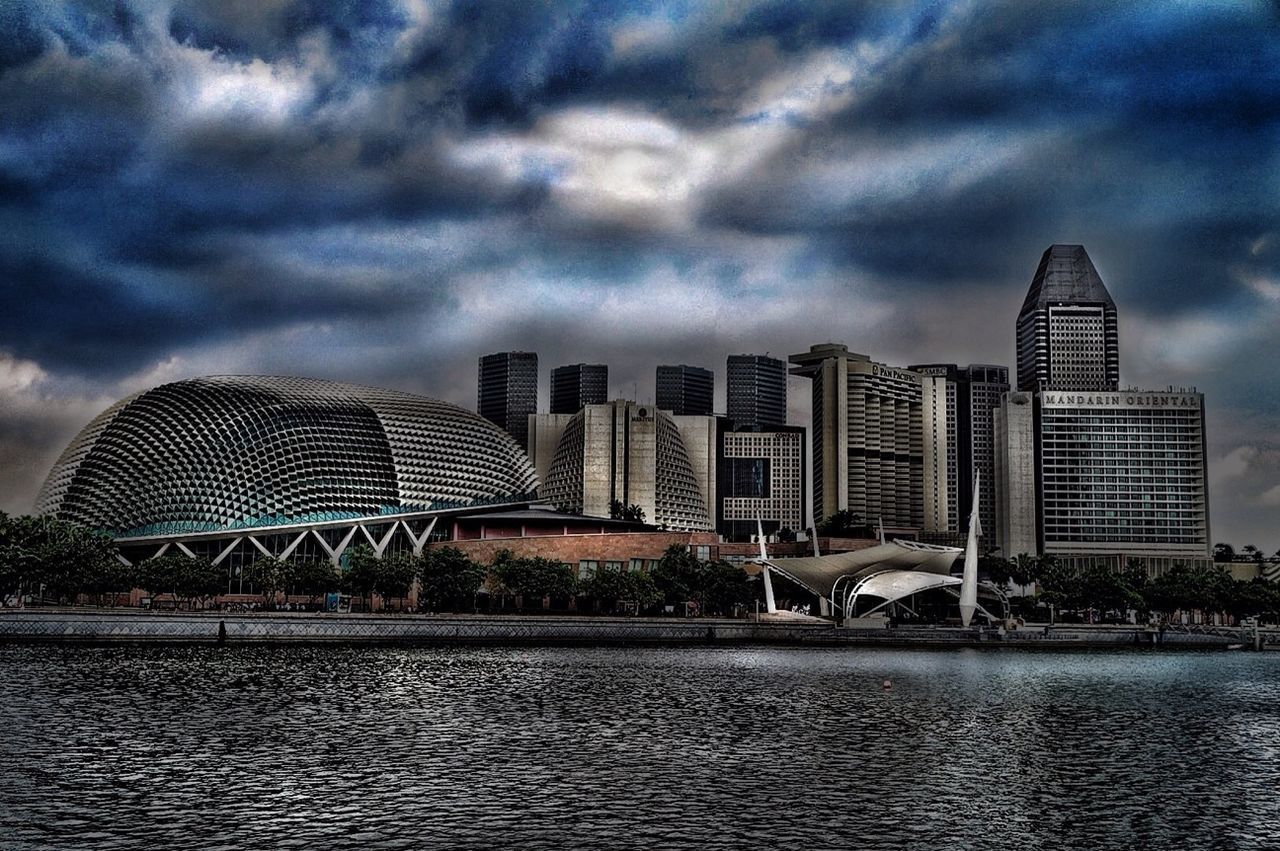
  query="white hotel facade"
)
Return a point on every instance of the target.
[
  {"x": 1116, "y": 474},
  {"x": 1086, "y": 471}
]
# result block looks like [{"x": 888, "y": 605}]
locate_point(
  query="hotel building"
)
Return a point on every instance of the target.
[
  {"x": 1116, "y": 474},
  {"x": 879, "y": 439}
]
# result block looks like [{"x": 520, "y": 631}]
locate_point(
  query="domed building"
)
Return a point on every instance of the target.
[
  {"x": 230, "y": 467},
  {"x": 630, "y": 453}
]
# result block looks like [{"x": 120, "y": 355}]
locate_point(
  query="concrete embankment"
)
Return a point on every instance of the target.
[{"x": 133, "y": 626}]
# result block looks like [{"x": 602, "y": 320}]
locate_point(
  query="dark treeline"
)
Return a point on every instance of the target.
[
  {"x": 1105, "y": 593},
  {"x": 51, "y": 561}
]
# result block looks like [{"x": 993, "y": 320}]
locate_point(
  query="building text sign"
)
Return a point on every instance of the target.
[{"x": 1123, "y": 400}]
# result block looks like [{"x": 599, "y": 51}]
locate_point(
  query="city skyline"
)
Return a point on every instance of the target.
[{"x": 346, "y": 199}]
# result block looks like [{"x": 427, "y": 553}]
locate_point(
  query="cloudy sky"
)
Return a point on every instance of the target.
[{"x": 382, "y": 192}]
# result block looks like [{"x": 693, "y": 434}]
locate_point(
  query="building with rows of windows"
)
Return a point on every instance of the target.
[
  {"x": 1086, "y": 471},
  {"x": 507, "y": 391},
  {"x": 879, "y": 439},
  {"x": 760, "y": 477}
]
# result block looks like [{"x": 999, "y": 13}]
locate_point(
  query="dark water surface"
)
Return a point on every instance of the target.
[{"x": 261, "y": 747}]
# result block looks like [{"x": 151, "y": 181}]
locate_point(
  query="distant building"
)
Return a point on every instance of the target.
[
  {"x": 685, "y": 390},
  {"x": 956, "y": 457},
  {"x": 760, "y": 475},
  {"x": 756, "y": 390},
  {"x": 1014, "y": 483},
  {"x": 973, "y": 393},
  {"x": 879, "y": 439},
  {"x": 632, "y": 454},
  {"x": 1068, "y": 336},
  {"x": 507, "y": 391},
  {"x": 981, "y": 388},
  {"x": 578, "y": 384}
]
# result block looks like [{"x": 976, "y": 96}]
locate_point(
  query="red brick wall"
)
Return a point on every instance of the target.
[{"x": 620, "y": 546}]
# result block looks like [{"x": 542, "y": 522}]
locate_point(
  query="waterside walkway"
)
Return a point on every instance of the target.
[{"x": 134, "y": 626}]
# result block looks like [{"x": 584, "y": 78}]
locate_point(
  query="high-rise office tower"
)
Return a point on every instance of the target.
[
  {"x": 685, "y": 390},
  {"x": 1014, "y": 432},
  {"x": 507, "y": 392},
  {"x": 756, "y": 390},
  {"x": 1113, "y": 474},
  {"x": 578, "y": 384},
  {"x": 973, "y": 394},
  {"x": 1067, "y": 332},
  {"x": 956, "y": 456},
  {"x": 879, "y": 439},
  {"x": 981, "y": 388}
]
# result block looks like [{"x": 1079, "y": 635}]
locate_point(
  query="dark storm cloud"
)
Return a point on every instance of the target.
[
  {"x": 1173, "y": 115},
  {"x": 381, "y": 191}
]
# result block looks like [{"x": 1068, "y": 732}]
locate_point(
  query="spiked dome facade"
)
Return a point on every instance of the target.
[{"x": 208, "y": 457}]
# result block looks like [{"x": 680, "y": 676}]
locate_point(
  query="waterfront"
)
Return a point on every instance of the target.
[{"x": 367, "y": 747}]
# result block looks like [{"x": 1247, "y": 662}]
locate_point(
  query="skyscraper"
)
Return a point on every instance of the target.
[
  {"x": 879, "y": 439},
  {"x": 685, "y": 390},
  {"x": 1122, "y": 473},
  {"x": 756, "y": 390},
  {"x": 578, "y": 384},
  {"x": 507, "y": 392},
  {"x": 981, "y": 388},
  {"x": 1067, "y": 331},
  {"x": 1115, "y": 474},
  {"x": 972, "y": 393}
]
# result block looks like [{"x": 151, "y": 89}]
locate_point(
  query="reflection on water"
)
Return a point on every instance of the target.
[{"x": 701, "y": 748}]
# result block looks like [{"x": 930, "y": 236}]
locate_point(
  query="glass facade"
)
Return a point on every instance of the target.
[
  {"x": 577, "y": 385},
  {"x": 756, "y": 390},
  {"x": 507, "y": 392},
  {"x": 685, "y": 390}
]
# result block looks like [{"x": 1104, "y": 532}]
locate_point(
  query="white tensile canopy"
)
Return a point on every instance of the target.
[{"x": 888, "y": 572}]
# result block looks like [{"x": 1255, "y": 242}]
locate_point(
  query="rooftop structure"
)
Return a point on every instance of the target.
[{"x": 1067, "y": 332}]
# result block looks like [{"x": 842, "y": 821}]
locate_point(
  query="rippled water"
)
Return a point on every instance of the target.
[{"x": 197, "y": 747}]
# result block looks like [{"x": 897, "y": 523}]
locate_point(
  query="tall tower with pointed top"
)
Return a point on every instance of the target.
[{"x": 1067, "y": 333}]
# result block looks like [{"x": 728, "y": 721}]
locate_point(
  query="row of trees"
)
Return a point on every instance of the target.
[
  {"x": 54, "y": 558},
  {"x": 57, "y": 561},
  {"x": 1247, "y": 553},
  {"x": 1102, "y": 591},
  {"x": 449, "y": 580}
]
